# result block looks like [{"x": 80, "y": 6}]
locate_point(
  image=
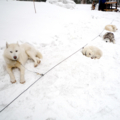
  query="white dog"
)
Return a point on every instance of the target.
[
  {"x": 111, "y": 28},
  {"x": 16, "y": 54},
  {"x": 92, "y": 52}
]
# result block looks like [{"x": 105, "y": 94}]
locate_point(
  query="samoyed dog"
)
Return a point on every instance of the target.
[
  {"x": 111, "y": 28},
  {"x": 16, "y": 55},
  {"x": 92, "y": 52}
]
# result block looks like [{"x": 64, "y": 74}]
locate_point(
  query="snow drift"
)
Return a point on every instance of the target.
[
  {"x": 78, "y": 89},
  {"x": 70, "y": 4}
]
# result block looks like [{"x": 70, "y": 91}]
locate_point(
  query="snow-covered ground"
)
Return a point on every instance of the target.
[{"x": 79, "y": 88}]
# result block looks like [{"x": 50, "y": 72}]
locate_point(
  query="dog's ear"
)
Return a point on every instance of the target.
[
  {"x": 7, "y": 45},
  {"x": 18, "y": 44}
]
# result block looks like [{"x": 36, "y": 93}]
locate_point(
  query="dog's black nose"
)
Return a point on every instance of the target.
[{"x": 15, "y": 57}]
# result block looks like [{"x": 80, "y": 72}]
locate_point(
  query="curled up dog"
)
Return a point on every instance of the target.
[
  {"x": 14, "y": 54},
  {"x": 111, "y": 28},
  {"x": 109, "y": 37},
  {"x": 92, "y": 52}
]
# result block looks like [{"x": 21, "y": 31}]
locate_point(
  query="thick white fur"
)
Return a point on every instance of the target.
[
  {"x": 14, "y": 53},
  {"x": 92, "y": 52},
  {"x": 111, "y": 28}
]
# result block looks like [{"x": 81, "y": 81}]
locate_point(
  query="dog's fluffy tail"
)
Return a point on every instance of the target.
[{"x": 39, "y": 55}]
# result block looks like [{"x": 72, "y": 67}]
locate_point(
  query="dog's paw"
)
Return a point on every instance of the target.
[
  {"x": 22, "y": 82},
  {"x": 35, "y": 65},
  {"x": 13, "y": 81},
  {"x": 38, "y": 61}
]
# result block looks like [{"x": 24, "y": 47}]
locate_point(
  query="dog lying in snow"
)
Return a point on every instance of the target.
[
  {"x": 92, "y": 52},
  {"x": 111, "y": 28},
  {"x": 109, "y": 37},
  {"x": 15, "y": 55}
]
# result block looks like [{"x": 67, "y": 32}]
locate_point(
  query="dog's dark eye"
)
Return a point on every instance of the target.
[
  {"x": 106, "y": 41},
  {"x": 16, "y": 51},
  {"x": 89, "y": 54},
  {"x": 10, "y": 51}
]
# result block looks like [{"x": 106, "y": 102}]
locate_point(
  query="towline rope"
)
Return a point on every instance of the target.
[{"x": 42, "y": 75}]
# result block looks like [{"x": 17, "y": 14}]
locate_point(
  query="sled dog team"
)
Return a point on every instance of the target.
[{"x": 16, "y": 55}]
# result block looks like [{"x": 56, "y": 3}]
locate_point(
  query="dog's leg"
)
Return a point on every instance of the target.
[
  {"x": 12, "y": 77},
  {"x": 22, "y": 72},
  {"x": 38, "y": 60},
  {"x": 39, "y": 55},
  {"x": 31, "y": 55}
]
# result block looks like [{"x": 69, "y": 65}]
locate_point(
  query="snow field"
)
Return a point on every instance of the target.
[{"x": 80, "y": 87}]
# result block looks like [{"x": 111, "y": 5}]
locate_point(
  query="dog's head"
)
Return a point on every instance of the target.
[
  {"x": 12, "y": 51},
  {"x": 89, "y": 53}
]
